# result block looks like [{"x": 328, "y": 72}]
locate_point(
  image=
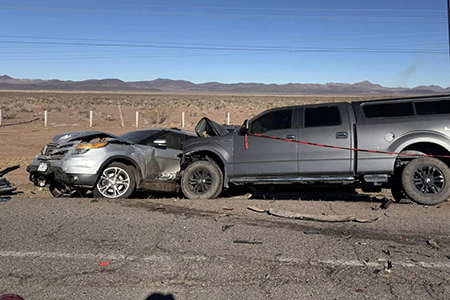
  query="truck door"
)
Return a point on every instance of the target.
[
  {"x": 266, "y": 156},
  {"x": 326, "y": 125}
]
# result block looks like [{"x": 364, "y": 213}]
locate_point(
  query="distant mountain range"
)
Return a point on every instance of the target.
[{"x": 168, "y": 85}]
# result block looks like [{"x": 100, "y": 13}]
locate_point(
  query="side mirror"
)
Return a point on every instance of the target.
[
  {"x": 245, "y": 127},
  {"x": 160, "y": 143}
]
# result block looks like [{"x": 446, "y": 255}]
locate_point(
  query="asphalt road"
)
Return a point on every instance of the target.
[{"x": 218, "y": 249}]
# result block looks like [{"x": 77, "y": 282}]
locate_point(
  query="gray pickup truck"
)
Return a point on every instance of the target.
[{"x": 402, "y": 144}]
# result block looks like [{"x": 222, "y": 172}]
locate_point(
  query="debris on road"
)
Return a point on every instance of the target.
[
  {"x": 227, "y": 208},
  {"x": 386, "y": 203},
  {"x": 433, "y": 244},
  {"x": 387, "y": 252},
  {"x": 6, "y": 187},
  {"x": 227, "y": 226},
  {"x": 160, "y": 207},
  {"x": 247, "y": 242},
  {"x": 312, "y": 232},
  {"x": 5, "y": 199},
  {"x": 104, "y": 264},
  {"x": 318, "y": 218},
  {"x": 257, "y": 209}
]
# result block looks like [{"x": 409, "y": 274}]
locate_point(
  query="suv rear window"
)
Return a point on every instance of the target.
[
  {"x": 386, "y": 110},
  {"x": 432, "y": 107}
]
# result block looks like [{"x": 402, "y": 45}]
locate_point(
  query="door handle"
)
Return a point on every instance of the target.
[
  {"x": 342, "y": 135},
  {"x": 289, "y": 137}
]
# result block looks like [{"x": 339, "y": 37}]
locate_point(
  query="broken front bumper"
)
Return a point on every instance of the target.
[{"x": 46, "y": 172}]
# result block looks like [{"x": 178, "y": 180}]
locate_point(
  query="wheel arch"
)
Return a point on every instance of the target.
[
  {"x": 125, "y": 160},
  {"x": 429, "y": 148},
  {"x": 211, "y": 156},
  {"x": 431, "y": 143}
]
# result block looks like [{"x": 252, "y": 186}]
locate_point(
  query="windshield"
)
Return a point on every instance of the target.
[{"x": 139, "y": 136}]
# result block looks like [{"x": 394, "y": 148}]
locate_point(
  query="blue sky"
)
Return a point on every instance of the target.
[{"x": 389, "y": 42}]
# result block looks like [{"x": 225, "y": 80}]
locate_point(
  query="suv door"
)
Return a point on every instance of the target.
[
  {"x": 166, "y": 156},
  {"x": 326, "y": 125},
  {"x": 264, "y": 156}
]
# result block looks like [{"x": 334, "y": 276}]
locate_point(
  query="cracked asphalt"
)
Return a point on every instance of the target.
[{"x": 218, "y": 249}]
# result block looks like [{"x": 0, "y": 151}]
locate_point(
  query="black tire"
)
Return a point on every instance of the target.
[
  {"x": 57, "y": 190},
  {"x": 116, "y": 181},
  {"x": 426, "y": 181},
  {"x": 202, "y": 180}
]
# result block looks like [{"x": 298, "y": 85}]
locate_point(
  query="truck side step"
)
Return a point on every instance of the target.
[{"x": 349, "y": 179}]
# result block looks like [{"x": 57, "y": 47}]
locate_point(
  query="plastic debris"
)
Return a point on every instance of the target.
[
  {"x": 433, "y": 244},
  {"x": 227, "y": 226},
  {"x": 5, "y": 199},
  {"x": 386, "y": 203}
]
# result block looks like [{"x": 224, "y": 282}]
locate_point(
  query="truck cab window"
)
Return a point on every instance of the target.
[
  {"x": 280, "y": 119},
  {"x": 322, "y": 116}
]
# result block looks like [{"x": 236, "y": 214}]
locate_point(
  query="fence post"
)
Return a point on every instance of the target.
[
  {"x": 45, "y": 118},
  {"x": 182, "y": 119},
  {"x": 228, "y": 118},
  {"x": 90, "y": 118},
  {"x": 121, "y": 116},
  {"x": 137, "y": 119}
]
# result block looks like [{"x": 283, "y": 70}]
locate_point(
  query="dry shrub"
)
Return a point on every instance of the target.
[{"x": 157, "y": 115}]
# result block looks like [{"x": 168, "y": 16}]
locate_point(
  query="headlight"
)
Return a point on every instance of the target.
[{"x": 85, "y": 147}]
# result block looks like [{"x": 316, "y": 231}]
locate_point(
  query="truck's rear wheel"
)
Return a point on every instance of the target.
[
  {"x": 202, "y": 180},
  {"x": 426, "y": 181}
]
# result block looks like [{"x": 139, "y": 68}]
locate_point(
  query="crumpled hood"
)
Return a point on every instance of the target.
[
  {"x": 85, "y": 136},
  {"x": 207, "y": 127}
]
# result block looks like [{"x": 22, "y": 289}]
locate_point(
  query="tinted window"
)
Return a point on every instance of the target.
[
  {"x": 322, "y": 116},
  {"x": 386, "y": 110},
  {"x": 173, "y": 140},
  {"x": 139, "y": 136},
  {"x": 432, "y": 107},
  {"x": 280, "y": 119}
]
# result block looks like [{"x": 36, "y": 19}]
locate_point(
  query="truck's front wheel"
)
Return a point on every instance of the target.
[
  {"x": 202, "y": 180},
  {"x": 426, "y": 181}
]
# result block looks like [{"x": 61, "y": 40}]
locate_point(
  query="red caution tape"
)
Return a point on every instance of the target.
[
  {"x": 103, "y": 264},
  {"x": 337, "y": 147}
]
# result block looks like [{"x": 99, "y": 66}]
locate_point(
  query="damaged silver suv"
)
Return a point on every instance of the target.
[{"x": 111, "y": 166}]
